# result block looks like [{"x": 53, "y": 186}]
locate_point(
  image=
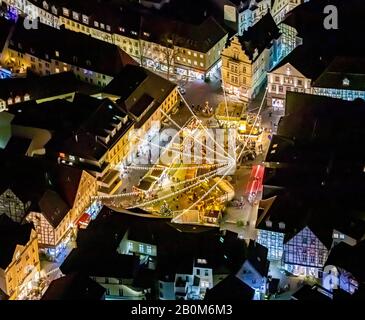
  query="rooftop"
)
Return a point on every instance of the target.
[
  {"x": 43, "y": 87},
  {"x": 70, "y": 47},
  {"x": 12, "y": 234},
  {"x": 74, "y": 286},
  {"x": 231, "y": 288}
]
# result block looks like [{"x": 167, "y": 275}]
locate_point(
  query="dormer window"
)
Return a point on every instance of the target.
[
  {"x": 146, "y": 34},
  {"x": 96, "y": 24},
  {"x": 134, "y": 33},
  {"x": 45, "y": 5},
  {"x": 121, "y": 29},
  {"x": 75, "y": 15},
  {"x": 281, "y": 225},
  {"x": 66, "y": 12},
  {"x": 102, "y": 26},
  {"x": 26, "y": 97},
  {"x": 108, "y": 28},
  {"x": 88, "y": 62},
  {"x": 54, "y": 10},
  {"x": 57, "y": 54},
  {"x": 85, "y": 19},
  {"x": 268, "y": 223},
  {"x": 346, "y": 82}
]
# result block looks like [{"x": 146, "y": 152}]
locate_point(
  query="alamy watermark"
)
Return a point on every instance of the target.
[{"x": 187, "y": 146}]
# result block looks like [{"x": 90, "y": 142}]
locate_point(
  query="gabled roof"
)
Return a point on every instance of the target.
[
  {"x": 259, "y": 36},
  {"x": 257, "y": 256},
  {"x": 12, "y": 234},
  {"x": 231, "y": 288},
  {"x": 42, "y": 186},
  {"x": 310, "y": 63},
  {"x": 349, "y": 258}
]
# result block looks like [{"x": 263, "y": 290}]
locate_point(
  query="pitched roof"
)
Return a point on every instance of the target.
[
  {"x": 42, "y": 186},
  {"x": 97, "y": 263},
  {"x": 312, "y": 293},
  {"x": 70, "y": 47},
  {"x": 44, "y": 86},
  {"x": 230, "y": 288},
  {"x": 74, "y": 286},
  {"x": 349, "y": 258},
  {"x": 307, "y": 61},
  {"x": 76, "y": 125},
  {"x": 260, "y": 36},
  {"x": 257, "y": 256},
  {"x": 140, "y": 91},
  {"x": 11, "y": 235}
]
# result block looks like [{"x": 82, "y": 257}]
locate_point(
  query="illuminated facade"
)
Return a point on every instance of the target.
[
  {"x": 281, "y": 7},
  {"x": 274, "y": 242},
  {"x": 305, "y": 254},
  {"x": 245, "y": 61},
  {"x": 54, "y": 231},
  {"x": 138, "y": 38},
  {"x": 65, "y": 53},
  {"x": 12, "y": 206},
  {"x": 281, "y": 80},
  {"x": 20, "y": 273}
]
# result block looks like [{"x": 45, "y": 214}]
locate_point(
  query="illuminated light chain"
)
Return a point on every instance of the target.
[
  {"x": 113, "y": 197},
  {"x": 193, "y": 166},
  {"x": 151, "y": 202},
  {"x": 226, "y": 173},
  {"x": 147, "y": 168},
  {"x": 195, "y": 139},
  {"x": 174, "y": 150},
  {"x": 199, "y": 121}
]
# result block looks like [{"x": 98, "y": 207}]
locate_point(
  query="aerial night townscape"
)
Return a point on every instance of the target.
[{"x": 203, "y": 150}]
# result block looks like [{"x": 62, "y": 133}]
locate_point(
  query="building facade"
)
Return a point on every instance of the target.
[
  {"x": 20, "y": 274},
  {"x": 305, "y": 254},
  {"x": 137, "y": 36},
  {"x": 245, "y": 61}
]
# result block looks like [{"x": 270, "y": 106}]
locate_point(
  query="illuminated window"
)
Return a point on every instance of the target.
[
  {"x": 189, "y": 53},
  {"x": 66, "y": 12},
  {"x": 85, "y": 19},
  {"x": 141, "y": 248},
  {"x": 346, "y": 82},
  {"x": 57, "y": 54},
  {"x": 201, "y": 64},
  {"x": 57, "y": 70},
  {"x": 75, "y": 15},
  {"x": 201, "y": 56}
]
